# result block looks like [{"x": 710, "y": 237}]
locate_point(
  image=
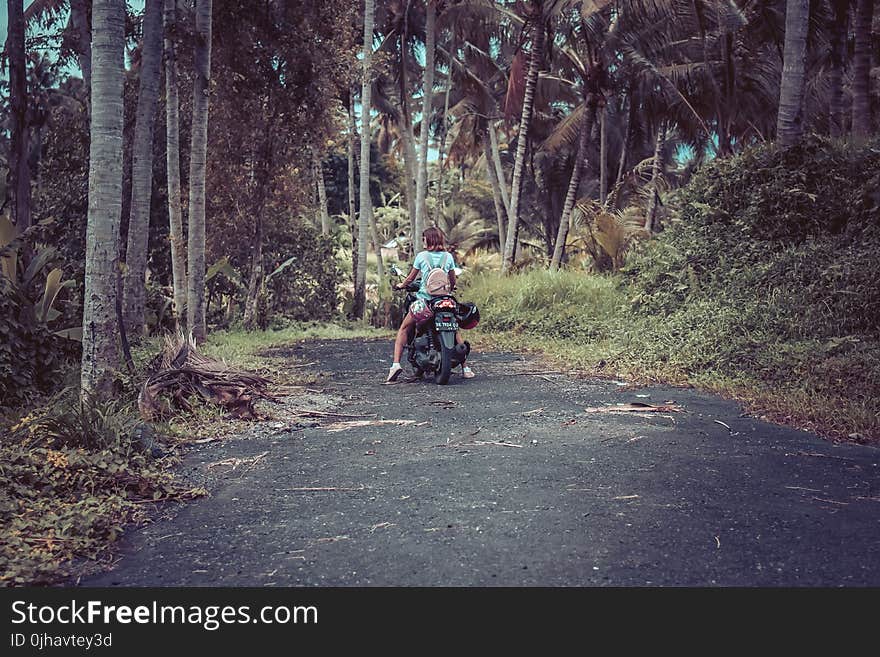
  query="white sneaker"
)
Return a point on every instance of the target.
[
  {"x": 393, "y": 373},
  {"x": 467, "y": 372}
]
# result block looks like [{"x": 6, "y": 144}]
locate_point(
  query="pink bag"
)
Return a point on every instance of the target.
[{"x": 421, "y": 311}]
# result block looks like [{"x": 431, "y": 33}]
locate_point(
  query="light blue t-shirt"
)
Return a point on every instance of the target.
[{"x": 426, "y": 261}]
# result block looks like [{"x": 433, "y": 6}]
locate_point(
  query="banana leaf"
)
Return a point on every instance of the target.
[
  {"x": 54, "y": 285},
  {"x": 8, "y": 262},
  {"x": 73, "y": 333},
  {"x": 284, "y": 265},
  {"x": 40, "y": 260},
  {"x": 223, "y": 266}
]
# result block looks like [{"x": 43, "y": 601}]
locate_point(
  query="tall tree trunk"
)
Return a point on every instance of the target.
[
  {"x": 352, "y": 205},
  {"x": 442, "y": 151},
  {"x": 322, "y": 196},
  {"x": 99, "y": 359},
  {"x": 377, "y": 246},
  {"x": 627, "y": 138},
  {"x": 861, "y": 84},
  {"x": 544, "y": 201},
  {"x": 656, "y": 170},
  {"x": 427, "y": 98},
  {"x": 500, "y": 211},
  {"x": 603, "y": 155},
  {"x": 522, "y": 143},
  {"x": 19, "y": 176},
  {"x": 366, "y": 206},
  {"x": 79, "y": 21},
  {"x": 195, "y": 306},
  {"x": 499, "y": 170},
  {"x": 134, "y": 293},
  {"x": 255, "y": 281},
  {"x": 172, "y": 147},
  {"x": 836, "y": 119},
  {"x": 790, "y": 119},
  {"x": 410, "y": 164},
  {"x": 573, "y": 185}
]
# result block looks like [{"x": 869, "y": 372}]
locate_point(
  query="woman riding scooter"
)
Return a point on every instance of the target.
[{"x": 434, "y": 256}]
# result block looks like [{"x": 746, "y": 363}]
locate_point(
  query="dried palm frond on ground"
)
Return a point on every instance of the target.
[{"x": 179, "y": 372}]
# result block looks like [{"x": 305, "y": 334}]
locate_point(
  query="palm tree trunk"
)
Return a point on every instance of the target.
[
  {"x": 322, "y": 196},
  {"x": 19, "y": 165},
  {"x": 836, "y": 120},
  {"x": 134, "y": 293},
  {"x": 99, "y": 358},
  {"x": 366, "y": 209},
  {"x": 172, "y": 147},
  {"x": 352, "y": 205},
  {"x": 500, "y": 211},
  {"x": 409, "y": 166},
  {"x": 79, "y": 21},
  {"x": 861, "y": 84},
  {"x": 195, "y": 305},
  {"x": 573, "y": 185},
  {"x": 656, "y": 169},
  {"x": 521, "y": 144},
  {"x": 409, "y": 148},
  {"x": 442, "y": 151},
  {"x": 499, "y": 170},
  {"x": 427, "y": 98},
  {"x": 627, "y": 138},
  {"x": 603, "y": 155},
  {"x": 790, "y": 119}
]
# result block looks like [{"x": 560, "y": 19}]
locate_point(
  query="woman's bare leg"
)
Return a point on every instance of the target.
[{"x": 403, "y": 336}]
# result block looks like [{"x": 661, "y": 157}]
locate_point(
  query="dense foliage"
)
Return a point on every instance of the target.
[
  {"x": 72, "y": 475},
  {"x": 739, "y": 289}
]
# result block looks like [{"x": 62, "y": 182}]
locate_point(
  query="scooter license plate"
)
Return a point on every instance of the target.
[{"x": 451, "y": 325}]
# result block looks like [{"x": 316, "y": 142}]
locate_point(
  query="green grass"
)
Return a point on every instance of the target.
[
  {"x": 589, "y": 323},
  {"x": 243, "y": 348}
]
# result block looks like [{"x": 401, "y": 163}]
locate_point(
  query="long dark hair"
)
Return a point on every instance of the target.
[{"x": 434, "y": 239}]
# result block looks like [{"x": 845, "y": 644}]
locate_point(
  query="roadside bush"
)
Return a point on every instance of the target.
[
  {"x": 764, "y": 283},
  {"x": 72, "y": 475},
  {"x": 795, "y": 231}
]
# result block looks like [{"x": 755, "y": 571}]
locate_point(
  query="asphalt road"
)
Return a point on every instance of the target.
[{"x": 506, "y": 479}]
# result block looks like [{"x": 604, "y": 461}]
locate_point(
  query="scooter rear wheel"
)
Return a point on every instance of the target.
[{"x": 442, "y": 375}]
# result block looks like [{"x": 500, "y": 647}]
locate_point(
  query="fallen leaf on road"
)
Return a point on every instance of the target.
[
  {"x": 336, "y": 427},
  {"x": 636, "y": 407}
]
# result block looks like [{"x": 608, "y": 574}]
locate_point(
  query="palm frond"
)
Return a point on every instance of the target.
[{"x": 566, "y": 133}]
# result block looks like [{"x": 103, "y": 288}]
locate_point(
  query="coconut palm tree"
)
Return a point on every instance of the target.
[
  {"x": 790, "y": 118},
  {"x": 172, "y": 147},
  {"x": 534, "y": 14},
  {"x": 195, "y": 306},
  {"x": 427, "y": 97},
  {"x": 142, "y": 169},
  {"x": 588, "y": 117},
  {"x": 366, "y": 205},
  {"x": 99, "y": 359}
]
